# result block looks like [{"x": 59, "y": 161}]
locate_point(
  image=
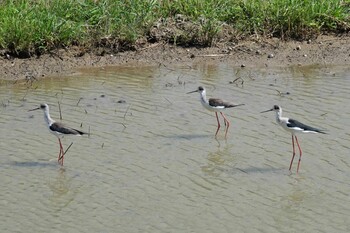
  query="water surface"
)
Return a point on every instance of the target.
[{"x": 152, "y": 163}]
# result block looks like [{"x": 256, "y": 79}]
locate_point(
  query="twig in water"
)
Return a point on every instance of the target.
[
  {"x": 241, "y": 170},
  {"x": 126, "y": 111},
  {"x": 122, "y": 125},
  {"x": 251, "y": 76},
  {"x": 282, "y": 93},
  {"x": 168, "y": 101},
  {"x": 59, "y": 108},
  {"x": 79, "y": 100},
  {"x": 235, "y": 81},
  {"x": 67, "y": 148},
  {"x": 24, "y": 97},
  {"x": 179, "y": 81}
]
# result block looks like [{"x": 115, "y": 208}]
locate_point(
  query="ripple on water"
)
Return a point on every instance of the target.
[{"x": 152, "y": 162}]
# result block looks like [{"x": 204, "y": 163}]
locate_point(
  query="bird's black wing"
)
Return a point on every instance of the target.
[
  {"x": 219, "y": 102},
  {"x": 297, "y": 124},
  {"x": 216, "y": 102},
  {"x": 61, "y": 128}
]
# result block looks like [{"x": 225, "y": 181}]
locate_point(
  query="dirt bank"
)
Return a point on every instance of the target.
[{"x": 254, "y": 52}]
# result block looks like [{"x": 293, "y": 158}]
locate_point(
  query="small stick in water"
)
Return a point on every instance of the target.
[
  {"x": 79, "y": 100},
  {"x": 59, "y": 108},
  {"x": 67, "y": 148}
]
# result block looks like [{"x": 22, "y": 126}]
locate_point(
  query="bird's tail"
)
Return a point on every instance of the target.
[
  {"x": 321, "y": 131},
  {"x": 234, "y": 105},
  {"x": 81, "y": 132}
]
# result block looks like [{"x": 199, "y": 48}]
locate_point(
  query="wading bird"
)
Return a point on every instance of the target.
[
  {"x": 215, "y": 105},
  {"x": 294, "y": 127},
  {"x": 58, "y": 129}
]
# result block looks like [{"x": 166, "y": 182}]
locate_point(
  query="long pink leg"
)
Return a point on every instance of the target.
[
  {"x": 61, "y": 154},
  {"x": 227, "y": 123},
  {"x": 300, "y": 153},
  {"x": 217, "y": 118},
  {"x": 291, "y": 162}
]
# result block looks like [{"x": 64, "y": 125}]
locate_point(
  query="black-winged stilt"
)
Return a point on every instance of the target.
[
  {"x": 58, "y": 129},
  {"x": 294, "y": 127},
  {"x": 215, "y": 105}
]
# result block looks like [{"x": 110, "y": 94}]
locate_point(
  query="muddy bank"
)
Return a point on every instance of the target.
[{"x": 254, "y": 52}]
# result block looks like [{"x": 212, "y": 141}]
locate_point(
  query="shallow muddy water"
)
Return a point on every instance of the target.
[{"x": 152, "y": 163}]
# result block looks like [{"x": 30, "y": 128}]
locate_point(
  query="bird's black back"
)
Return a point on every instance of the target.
[
  {"x": 61, "y": 128},
  {"x": 294, "y": 123}
]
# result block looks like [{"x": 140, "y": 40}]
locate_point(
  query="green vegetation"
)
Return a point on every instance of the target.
[{"x": 30, "y": 27}]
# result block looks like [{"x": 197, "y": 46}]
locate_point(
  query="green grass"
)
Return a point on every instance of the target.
[{"x": 36, "y": 26}]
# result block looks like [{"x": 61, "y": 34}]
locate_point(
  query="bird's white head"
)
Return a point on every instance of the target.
[
  {"x": 44, "y": 107},
  {"x": 275, "y": 108},
  {"x": 200, "y": 89},
  {"x": 278, "y": 110}
]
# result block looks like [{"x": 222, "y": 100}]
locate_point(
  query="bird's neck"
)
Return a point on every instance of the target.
[
  {"x": 47, "y": 118},
  {"x": 203, "y": 98},
  {"x": 279, "y": 116}
]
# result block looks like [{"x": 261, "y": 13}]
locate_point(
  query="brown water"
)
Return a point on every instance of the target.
[{"x": 152, "y": 163}]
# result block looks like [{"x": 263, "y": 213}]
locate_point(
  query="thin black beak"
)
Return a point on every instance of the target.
[
  {"x": 33, "y": 109},
  {"x": 267, "y": 110},
  {"x": 192, "y": 92}
]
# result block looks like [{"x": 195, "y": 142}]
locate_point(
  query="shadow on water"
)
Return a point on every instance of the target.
[
  {"x": 155, "y": 151},
  {"x": 33, "y": 164},
  {"x": 186, "y": 136},
  {"x": 63, "y": 192},
  {"x": 232, "y": 170},
  {"x": 252, "y": 170},
  {"x": 223, "y": 161}
]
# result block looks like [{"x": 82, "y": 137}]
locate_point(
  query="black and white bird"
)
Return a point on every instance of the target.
[
  {"x": 294, "y": 127},
  {"x": 58, "y": 129},
  {"x": 215, "y": 105}
]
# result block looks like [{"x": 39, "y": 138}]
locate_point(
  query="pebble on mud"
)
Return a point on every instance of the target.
[
  {"x": 271, "y": 55},
  {"x": 298, "y": 47}
]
